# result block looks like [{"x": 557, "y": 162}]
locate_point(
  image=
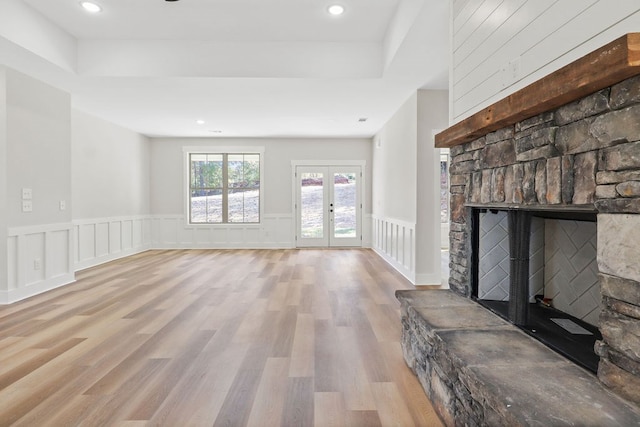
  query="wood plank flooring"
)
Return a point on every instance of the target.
[{"x": 213, "y": 337}]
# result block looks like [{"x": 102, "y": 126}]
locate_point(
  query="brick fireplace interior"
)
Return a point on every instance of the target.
[{"x": 565, "y": 149}]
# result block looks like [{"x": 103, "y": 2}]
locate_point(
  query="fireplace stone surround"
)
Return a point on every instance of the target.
[
  {"x": 585, "y": 154},
  {"x": 568, "y": 142}
]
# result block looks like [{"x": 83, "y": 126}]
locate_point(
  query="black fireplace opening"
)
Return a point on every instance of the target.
[{"x": 536, "y": 268}]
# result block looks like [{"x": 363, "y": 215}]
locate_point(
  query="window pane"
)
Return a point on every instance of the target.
[
  {"x": 252, "y": 206},
  {"x": 252, "y": 170},
  {"x": 214, "y": 170},
  {"x": 197, "y": 163},
  {"x": 206, "y": 206},
  {"x": 198, "y": 206},
  {"x": 206, "y": 171},
  {"x": 444, "y": 189},
  {"x": 344, "y": 213},
  {"x": 214, "y": 206},
  {"x": 244, "y": 205},
  {"x": 236, "y": 205},
  {"x": 235, "y": 170}
]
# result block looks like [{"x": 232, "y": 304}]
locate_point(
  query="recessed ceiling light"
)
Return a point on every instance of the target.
[
  {"x": 200, "y": 121},
  {"x": 336, "y": 10},
  {"x": 90, "y": 7}
]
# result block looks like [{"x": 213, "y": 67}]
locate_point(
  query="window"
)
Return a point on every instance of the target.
[
  {"x": 224, "y": 188},
  {"x": 444, "y": 186}
]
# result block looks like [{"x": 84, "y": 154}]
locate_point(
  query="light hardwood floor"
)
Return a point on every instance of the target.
[{"x": 212, "y": 337}]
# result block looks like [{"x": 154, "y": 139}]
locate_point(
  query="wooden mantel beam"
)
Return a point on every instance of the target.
[{"x": 601, "y": 68}]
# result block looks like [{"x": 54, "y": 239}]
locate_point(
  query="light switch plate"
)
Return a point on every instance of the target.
[
  {"x": 27, "y": 194},
  {"x": 27, "y": 206}
]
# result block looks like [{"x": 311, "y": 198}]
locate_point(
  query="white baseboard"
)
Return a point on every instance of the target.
[
  {"x": 15, "y": 295},
  {"x": 82, "y": 265},
  {"x": 408, "y": 274}
]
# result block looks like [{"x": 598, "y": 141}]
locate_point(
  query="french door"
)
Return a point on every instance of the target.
[{"x": 328, "y": 206}]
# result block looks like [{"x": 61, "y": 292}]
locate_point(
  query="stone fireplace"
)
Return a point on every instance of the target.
[{"x": 578, "y": 160}]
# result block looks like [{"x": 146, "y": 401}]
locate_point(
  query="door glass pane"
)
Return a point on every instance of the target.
[
  {"x": 311, "y": 206},
  {"x": 344, "y": 200},
  {"x": 444, "y": 188}
]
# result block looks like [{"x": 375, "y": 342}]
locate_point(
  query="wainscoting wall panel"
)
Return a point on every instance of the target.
[
  {"x": 40, "y": 258},
  {"x": 45, "y": 257},
  {"x": 394, "y": 241},
  {"x": 101, "y": 240},
  {"x": 173, "y": 232}
]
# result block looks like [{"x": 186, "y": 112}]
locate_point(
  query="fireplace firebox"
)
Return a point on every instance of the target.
[{"x": 518, "y": 276}]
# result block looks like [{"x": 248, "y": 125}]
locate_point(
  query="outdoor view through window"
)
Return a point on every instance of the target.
[
  {"x": 224, "y": 188},
  {"x": 444, "y": 188}
]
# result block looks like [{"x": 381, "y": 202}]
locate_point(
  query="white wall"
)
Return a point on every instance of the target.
[
  {"x": 502, "y": 46},
  {"x": 432, "y": 117},
  {"x": 406, "y": 183},
  {"x": 167, "y": 174},
  {"x": 110, "y": 167},
  {"x": 3, "y": 179},
  {"x": 395, "y": 188},
  {"x": 38, "y": 157},
  {"x": 394, "y": 163},
  {"x": 38, "y": 138},
  {"x": 110, "y": 190}
]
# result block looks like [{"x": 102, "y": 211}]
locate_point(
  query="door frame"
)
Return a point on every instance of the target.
[{"x": 328, "y": 163}]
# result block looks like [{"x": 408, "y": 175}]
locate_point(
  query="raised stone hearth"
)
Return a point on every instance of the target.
[{"x": 479, "y": 369}]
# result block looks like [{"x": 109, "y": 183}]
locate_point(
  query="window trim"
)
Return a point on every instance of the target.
[{"x": 186, "y": 185}]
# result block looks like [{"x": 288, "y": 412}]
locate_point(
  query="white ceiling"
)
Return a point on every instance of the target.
[
  {"x": 249, "y": 68},
  {"x": 222, "y": 20}
]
